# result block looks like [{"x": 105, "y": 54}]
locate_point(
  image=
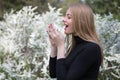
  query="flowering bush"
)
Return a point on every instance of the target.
[
  {"x": 24, "y": 45},
  {"x": 109, "y": 33}
]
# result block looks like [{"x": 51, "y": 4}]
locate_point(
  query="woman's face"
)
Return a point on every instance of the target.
[{"x": 68, "y": 23}]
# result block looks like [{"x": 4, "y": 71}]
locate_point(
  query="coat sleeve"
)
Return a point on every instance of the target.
[
  {"x": 52, "y": 67},
  {"x": 80, "y": 65}
]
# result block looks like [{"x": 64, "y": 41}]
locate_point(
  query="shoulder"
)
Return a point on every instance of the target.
[
  {"x": 90, "y": 52},
  {"x": 93, "y": 51},
  {"x": 92, "y": 46},
  {"x": 89, "y": 47}
]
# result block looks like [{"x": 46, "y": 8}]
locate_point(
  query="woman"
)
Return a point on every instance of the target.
[{"x": 84, "y": 54}]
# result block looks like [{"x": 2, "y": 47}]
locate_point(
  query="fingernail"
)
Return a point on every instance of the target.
[
  {"x": 51, "y": 25},
  {"x": 48, "y": 26}
]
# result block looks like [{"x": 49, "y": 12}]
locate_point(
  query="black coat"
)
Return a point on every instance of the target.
[{"x": 82, "y": 63}]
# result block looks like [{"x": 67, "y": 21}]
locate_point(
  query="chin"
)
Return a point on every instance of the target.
[{"x": 67, "y": 33}]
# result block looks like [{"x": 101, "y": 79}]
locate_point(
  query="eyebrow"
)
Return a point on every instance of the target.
[{"x": 68, "y": 14}]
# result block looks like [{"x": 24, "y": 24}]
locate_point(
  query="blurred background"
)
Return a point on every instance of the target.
[{"x": 99, "y": 6}]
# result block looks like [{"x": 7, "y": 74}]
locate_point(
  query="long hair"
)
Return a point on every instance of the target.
[{"x": 83, "y": 23}]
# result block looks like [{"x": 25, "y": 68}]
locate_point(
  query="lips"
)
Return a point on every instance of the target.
[{"x": 66, "y": 26}]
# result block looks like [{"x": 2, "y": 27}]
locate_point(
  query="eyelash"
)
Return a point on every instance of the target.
[{"x": 69, "y": 17}]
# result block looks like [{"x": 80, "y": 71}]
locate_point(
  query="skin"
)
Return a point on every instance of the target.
[
  {"x": 68, "y": 23},
  {"x": 57, "y": 39}
]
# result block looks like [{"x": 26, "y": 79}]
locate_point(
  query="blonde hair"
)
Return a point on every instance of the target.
[{"x": 83, "y": 23}]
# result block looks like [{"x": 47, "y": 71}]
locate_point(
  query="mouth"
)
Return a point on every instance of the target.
[{"x": 66, "y": 26}]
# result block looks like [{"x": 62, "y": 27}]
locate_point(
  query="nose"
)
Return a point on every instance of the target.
[{"x": 64, "y": 20}]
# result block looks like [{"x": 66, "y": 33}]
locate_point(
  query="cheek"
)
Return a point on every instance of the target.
[
  {"x": 69, "y": 30},
  {"x": 71, "y": 27}
]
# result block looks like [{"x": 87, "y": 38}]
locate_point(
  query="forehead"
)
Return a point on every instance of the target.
[{"x": 68, "y": 12}]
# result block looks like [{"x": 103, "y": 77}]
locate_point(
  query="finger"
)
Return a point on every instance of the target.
[
  {"x": 51, "y": 31},
  {"x": 49, "y": 34},
  {"x": 52, "y": 35},
  {"x": 51, "y": 26},
  {"x": 57, "y": 32},
  {"x": 47, "y": 30}
]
